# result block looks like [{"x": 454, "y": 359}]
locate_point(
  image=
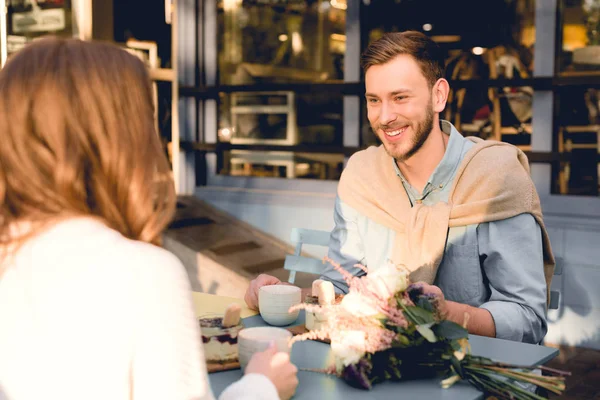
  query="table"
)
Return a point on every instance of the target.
[{"x": 312, "y": 354}]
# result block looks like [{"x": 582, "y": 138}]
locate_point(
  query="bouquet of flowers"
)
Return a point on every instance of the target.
[{"x": 385, "y": 330}]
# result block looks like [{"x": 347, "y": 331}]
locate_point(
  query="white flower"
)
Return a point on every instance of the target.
[
  {"x": 348, "y": 347},
  {"x": 358, "y": 305},
  {"x": 387, "y": 280}
]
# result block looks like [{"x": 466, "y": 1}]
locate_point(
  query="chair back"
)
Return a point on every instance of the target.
[{"x": 298, "y": 263}]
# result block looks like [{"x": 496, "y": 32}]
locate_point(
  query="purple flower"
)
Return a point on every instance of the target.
[{"x": 357, "y": 375}]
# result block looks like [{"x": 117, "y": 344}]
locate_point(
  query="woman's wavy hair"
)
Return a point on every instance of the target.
[{"x": 78, "y": 139}]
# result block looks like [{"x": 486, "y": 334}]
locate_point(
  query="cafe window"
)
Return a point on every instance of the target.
[{"x": 293, "y": 42}]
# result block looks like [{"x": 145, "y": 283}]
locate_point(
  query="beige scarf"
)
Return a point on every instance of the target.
[{"x": 492, "y": 183}]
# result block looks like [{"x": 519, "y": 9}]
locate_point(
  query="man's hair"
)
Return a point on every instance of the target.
[
  {"x": 425, "y": 52},
  {"x": 78, "y": 139}
]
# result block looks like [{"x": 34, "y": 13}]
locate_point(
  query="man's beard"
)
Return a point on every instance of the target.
[{"x": 421, "y": 133}]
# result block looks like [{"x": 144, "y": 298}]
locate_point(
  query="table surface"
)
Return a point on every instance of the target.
[
  {"x": 207, "y": 304},
  {"x": 310, "y": 354}
]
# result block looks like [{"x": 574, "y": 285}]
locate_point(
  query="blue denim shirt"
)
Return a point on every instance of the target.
[{"x": 496, "y": 265}]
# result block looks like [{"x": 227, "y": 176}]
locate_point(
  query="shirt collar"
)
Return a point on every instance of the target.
[{"x": 444, "y": 172}]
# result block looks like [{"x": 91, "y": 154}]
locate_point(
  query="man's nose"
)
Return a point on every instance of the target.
[{"x": 387, "y": 115}]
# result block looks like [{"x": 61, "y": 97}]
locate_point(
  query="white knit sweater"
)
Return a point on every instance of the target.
[{"x": 88, "y": 314}]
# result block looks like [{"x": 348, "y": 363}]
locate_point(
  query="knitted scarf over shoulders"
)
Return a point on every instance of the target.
[{"x": 492, "y": 183}]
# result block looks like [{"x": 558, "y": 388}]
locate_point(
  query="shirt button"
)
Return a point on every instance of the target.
[
  {"x": 441, "y": 185},
  {"x": 419, "y": 201}
]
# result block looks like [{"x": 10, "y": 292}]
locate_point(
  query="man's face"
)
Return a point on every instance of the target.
[{"x": 399, "y": 106}]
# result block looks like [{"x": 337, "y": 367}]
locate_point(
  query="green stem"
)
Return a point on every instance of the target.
[
  {"x": 506, "y": 392},
  {"x": 524, "y": 373},
  {"x": 547, "y": 383},
  {"x": 491, "y": 375},
  {"x": 318, "y": 370},
  {"x": 553, "y": 384},
  {"x": 486, "y": 361},
  {"x": 488, "y": 386}
]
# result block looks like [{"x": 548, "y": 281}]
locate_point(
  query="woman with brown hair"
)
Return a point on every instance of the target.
[{"x": 90, "y": 307}]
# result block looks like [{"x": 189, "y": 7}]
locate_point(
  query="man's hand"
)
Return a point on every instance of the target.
[
  {"x": 251, "y": 296},
  {"x": 479, "y": 320},
  {"x": 433, "y": 292}
]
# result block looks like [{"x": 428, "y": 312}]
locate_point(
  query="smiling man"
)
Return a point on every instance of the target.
[{"x": 462, "y": 214}]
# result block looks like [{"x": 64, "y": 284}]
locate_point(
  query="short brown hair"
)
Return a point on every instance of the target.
[
  {"x": 425, "y": 51},
  {"x": 78, "y": 139}
]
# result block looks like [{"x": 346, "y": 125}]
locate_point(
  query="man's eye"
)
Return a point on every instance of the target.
[
  {"x": 372, "y": 100},
  {"x": 400, "y": 97}
]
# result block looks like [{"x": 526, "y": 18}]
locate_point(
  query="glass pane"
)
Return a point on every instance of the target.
[
  {"x": 28, "y": 20},
  {"x": 280, "y": 118},
  {"x": 579, "y": 136},
  {"x": 581, "y": 37},
  {"x": 281, "y": 164},
  {"x": 475, "y": 48},
  {"x": 281, "y": 40}
]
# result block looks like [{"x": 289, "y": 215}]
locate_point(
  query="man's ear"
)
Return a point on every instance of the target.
[{"x": 441, "y": 89}]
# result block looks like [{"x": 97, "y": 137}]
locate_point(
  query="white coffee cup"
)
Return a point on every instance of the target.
[
  {"x": 274, "y": 302},
  {"x": 254, "y": 340}
]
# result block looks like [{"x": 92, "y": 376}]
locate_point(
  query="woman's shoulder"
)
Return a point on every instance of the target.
[{"x": 89, "y": 241}]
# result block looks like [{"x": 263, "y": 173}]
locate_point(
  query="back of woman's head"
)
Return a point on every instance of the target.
[{"x": 78, "y": 139}]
